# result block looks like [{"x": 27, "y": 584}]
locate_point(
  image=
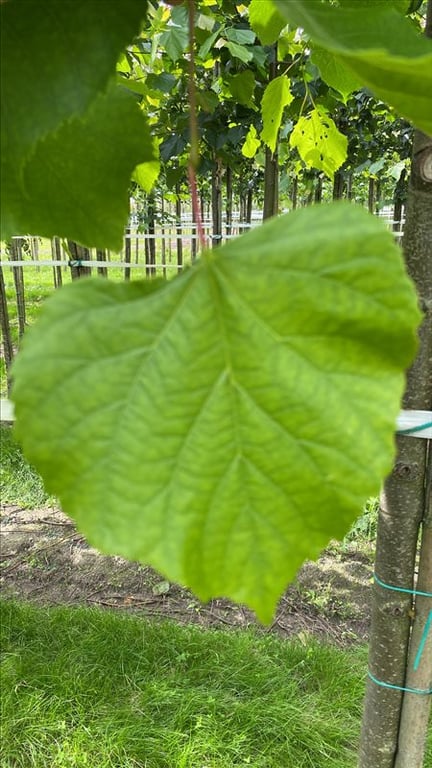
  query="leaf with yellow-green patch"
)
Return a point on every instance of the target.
[
  {"x": 319, "y": 143},
  {"x": 251, "y": 144},
  {"x": 277, "y": 95}
]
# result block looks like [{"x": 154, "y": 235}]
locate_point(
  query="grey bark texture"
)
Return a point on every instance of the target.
[
  {"x": 397, "y": 740},
  {"x": 418, "y": 255},
  {"x": 18, "y": 274},
  {"x": 402, "y": 511},
  {"x": 5, "y": 328}
]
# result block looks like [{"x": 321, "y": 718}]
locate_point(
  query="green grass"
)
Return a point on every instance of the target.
[
  {"x": 19, "y": 483},
  {"x": 86, "y": 688}
]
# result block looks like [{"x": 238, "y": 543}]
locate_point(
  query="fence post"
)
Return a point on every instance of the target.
[
  {"x": 56, "y": 256},
  {"x": 18, "y": 274},
  {"x": 5, "y": 327},
  {"x": 127, "y": 272},
  {"x": 78, "y": 254},
  {"x": 101, "y": 256}
]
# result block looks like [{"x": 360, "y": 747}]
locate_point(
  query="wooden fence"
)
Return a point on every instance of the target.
[{"x": 160, "y": 253}]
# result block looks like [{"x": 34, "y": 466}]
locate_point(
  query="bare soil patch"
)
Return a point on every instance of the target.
[{"x": 46, "y": 561}]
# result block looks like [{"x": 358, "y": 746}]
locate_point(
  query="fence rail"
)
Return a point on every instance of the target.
[{"x": 171, "y": 247}]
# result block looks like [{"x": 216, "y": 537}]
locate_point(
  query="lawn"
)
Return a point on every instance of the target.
[{"x": 85, "y": 687}]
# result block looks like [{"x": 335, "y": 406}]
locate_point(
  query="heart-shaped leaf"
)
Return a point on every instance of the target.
[{"x": 224, "y": 425}]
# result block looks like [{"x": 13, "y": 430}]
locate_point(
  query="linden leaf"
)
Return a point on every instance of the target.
[
  {"x": 319, "y": 143},
  {"x": 224, "y": 425},
  {"x": 251, "y": 144},
  {"x": 277, "y": 95},
  {"x": 381, "y": 47},
  {"x": 76, "y": 182},
  {"x": 266, "y": 21}
]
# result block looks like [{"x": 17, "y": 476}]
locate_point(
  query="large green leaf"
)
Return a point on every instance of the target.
[
  {"x": 381, "y": 47},
  {"x": 224, "y": 425},
  {"x": 56, "y": 58},
  {"x": 69, "y": 139},
  {"x": 75, "y": 184}
]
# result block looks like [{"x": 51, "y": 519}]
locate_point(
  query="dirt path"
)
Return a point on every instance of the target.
[{"x": 44, "y": 560}]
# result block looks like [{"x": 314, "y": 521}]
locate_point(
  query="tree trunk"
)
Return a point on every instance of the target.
[
  {"x": 151, "y": 231},
  {"x": 217, "y": 201},
  {"x": 318, "y": 189},
  {"x": 5, "y": 328},
  {"x": 127, "y": 253},
  {"x": 229, "y": 202},
  {"x": 338, "y": 185},
  {"x": 371, "y": 195},
  {"x": 178, "y": 212},
  {"x": 294, "y": 193},
  {"x": 56, "y": 253},
  {"x": 77, "y": 254},
  {"x": 403, "y": 510},
  {"x": 271, "y": 184},
  {"x": 271, "y": 169},
  {"x": 399, "y": 199},
  {"x": 349, "y": 183},
  {"x": 101, "y": 256},
  {"x": 18, "y": 275},
  {"x": 163, "y": 244},
  {"x": 249, "y": 202},
  {"x": 417, "y": 244}
]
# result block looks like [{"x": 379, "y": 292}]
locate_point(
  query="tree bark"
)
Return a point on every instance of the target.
[
  {"x": 56, "y": 253},
  {"x": 294, "y": 193},
  {"x": 151, "y": 231},
  {"x": 417, "y": 244},
  {"x": 271, "y": 184},
  {"x": 403, "y": 510},
  {"x": 371, "y": 195},
  {"x": 217, "y": 201},
  {"x": 127, "y": 254},
  {"x": 101, "y": 256},
  {"x": 78, "y": 253},
  {"x": 5, "y": 328},
  {"x": 178, "y": 212},
  {"x": 271, "y": 168},
  {"x": 318, "y": 189},
  {"x": 229, "y": 201},
  {"x": 399, "y": 199},
  {"x": 338, "y": 185},
  {"x": 18, "y": 275}
]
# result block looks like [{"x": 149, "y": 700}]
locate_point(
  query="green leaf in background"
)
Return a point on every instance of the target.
[
  {"x": 277, "y": 95},
  {"x": 146, "y": 174},
  {"x": 224, "y": 425},
  {"x": 334, "y": 72},
  {"x": 266, "y": 21},
  {"x": 76, "y": 182},
  {"x": 319, "y": 143},
  {"x": 240, "y": 36},
  {"x": 242, "y": 87},
  {"x": 251, "y": 144},
  {"x": 208, "y": 100},
  {"x": 239, "y": 51},
  {"x": 175, "y": 41},
  {"x": 399, "y": 70}
]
